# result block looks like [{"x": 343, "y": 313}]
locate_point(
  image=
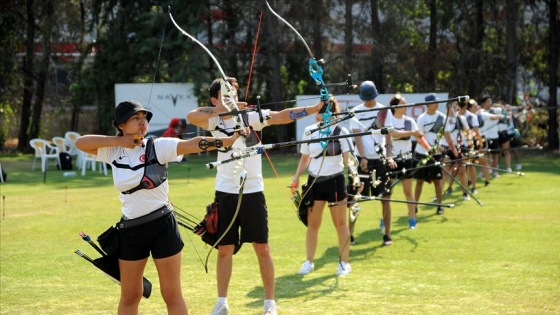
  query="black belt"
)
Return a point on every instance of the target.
[
  {"x": 319, "y": 179},
  {"x": 124, "y": 224}
]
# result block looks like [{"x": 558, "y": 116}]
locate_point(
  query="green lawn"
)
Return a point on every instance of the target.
[{"x": 499, "y": 258}]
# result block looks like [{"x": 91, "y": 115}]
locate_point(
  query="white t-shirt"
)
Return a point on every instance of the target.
[
  {"x": 490, "y": 127},
  {"x": 324, "y": 165},
  {"x": 401, "y": 145},
  {"x": 365, "y": 121},
  {"x": 225, "y": 181},
  {"x": 129, "y": 175},
  {"x": 426, "y": 124}
]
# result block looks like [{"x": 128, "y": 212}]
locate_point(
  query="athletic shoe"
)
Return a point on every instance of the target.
[
  {"x": 518, "y": 167},
  {"x": 387, "y": 240},
  {"x": 496, "y": 175},
  {"x": 449, "y": 191},
  {"x": 474, "y": 191},
  {"x": 382, "y": 226},
  {"x": 352, "y": 240},
  {"x": 343, "y": 269},
  {"x": 270, "y": 308},
  {"x": 306, "y": 268},
  {"x": 412, "y": 223},
  {"x": 220, "y": 309},
  {"x": 466, "y": 197},
  {"x": 354, "y": 212},
  {"x": 486, "y": 183},
  {"x": 434, "y": 199},
  {"x": 508, "y": 169},
  {"x": 439, "y": 210}
]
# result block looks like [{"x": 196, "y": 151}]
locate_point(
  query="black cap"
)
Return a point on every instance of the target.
[{"x": 126, "y": 109}]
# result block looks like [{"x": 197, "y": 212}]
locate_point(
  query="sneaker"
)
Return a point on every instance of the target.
[
  {"x": 449, "y": 191},
  {"x": 220, "y": 309},
  {"x": 508, "y": 169},
  {"x": 486, "y": 183},
  {"x": 352, "y": 240},
  {"x": 496, "y": 175},
  {"x": 382, "y": 226},
  {"x": 306, "y": 268},
  {"x": 354, "y": 212},
  {"x": 343, "y": 269},
  {"x": 518, "y": 167},
  {"x": 412, "y": 223},
  {"x": 474, "y": 191},
  {"x": 439, "y": 210},
  {"x": 387, "y": 240},
  {"x": 434, "y": 199},
  {"x": 270, "y": 308},
  {"x": 466, "y": 197}
]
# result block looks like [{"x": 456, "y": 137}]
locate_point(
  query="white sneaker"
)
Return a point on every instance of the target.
[
  {"x": 343, "y": 269},
  {"x": 508, "y": 169},
  {"x": 220, "y": 309},
  {"x": 306, "y": 268},
  {"x": 466, "y": 197},
  {"x": 270, "y": 308},
  {"x": 518, "y": 167}
]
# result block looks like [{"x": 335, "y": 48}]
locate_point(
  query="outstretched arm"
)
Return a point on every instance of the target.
[
  {"x": 90, "y": 143},
  {"x": 203, "y": 144},
  {"x": 289, "y": 115}
]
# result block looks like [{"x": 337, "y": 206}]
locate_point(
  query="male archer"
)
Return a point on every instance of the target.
[
  {"x": 371, "y": 152},
  {"x": 251, "y": 223}
]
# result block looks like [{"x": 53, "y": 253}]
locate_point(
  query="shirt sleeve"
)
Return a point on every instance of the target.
[{"x": 166, "y": 150}]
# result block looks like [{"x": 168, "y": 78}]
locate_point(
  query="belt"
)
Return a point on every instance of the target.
[
  {"x": 324, "y": 178},
  {"x": 125, "y": 223}
]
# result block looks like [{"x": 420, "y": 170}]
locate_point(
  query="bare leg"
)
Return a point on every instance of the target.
[
  {"x": 338, "y": 214},
  {"x": 224, "y": 268},
  {"x": 266, "y": 265},
  {"x": 131, "y": 285},
  {"x": 169, "y": 272}
]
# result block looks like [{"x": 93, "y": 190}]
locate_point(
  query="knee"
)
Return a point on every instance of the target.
[
  {"x": 172, "y": 297},
  {"x": 131, "y": 297},
  {"x": 262, "y": 249}
]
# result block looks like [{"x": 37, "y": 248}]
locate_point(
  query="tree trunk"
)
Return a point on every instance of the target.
[
  {"x": 377, "y": 55},
  {"x": 23, "y": 137},
  {"x": 432, "y": 48},
  {"x": 511, "y": 50},
  {"x": 274, "y": 80},
  {"x": 231, "y": 20},
  {"x": 37, "y": 110},
  {"x": 554, "y": 25},
  {"x": 348, "y": 38},
  {"x": 317, "y": 12}
]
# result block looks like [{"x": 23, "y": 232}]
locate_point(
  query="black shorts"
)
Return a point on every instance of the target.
[
  {"x": 381, "y": 176},
  {"x": 407, "y": 165},
  {"x": 251, "y": 224},
  {"x": 332, "y": 189},
  {"x": 514, "y": 142},
  {"x": 503, "y": 136},
  {"x": 493, "y": 144},
  {"x": 428, "y": 171},
  {"x": 161, "y": 237}
]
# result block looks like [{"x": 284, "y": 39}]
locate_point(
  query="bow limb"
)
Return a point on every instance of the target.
[{"x": 228, "y": 95}]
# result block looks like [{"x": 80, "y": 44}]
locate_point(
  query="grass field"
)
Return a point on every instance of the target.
[{"x": 499, "y": 258}]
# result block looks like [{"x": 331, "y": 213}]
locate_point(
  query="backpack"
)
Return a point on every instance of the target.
[{"x": 65, "y": 161}]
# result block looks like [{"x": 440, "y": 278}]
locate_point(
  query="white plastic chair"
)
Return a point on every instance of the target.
[
  {"x": 70, "y": 139},
  {"x": 86, "y": 158},
  {"x": 44, "y": 151},
  {"x": 60, "y": 143}
]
